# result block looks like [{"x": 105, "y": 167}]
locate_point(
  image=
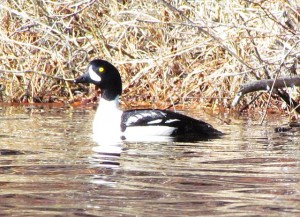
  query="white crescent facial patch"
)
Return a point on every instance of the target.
[{"x": 93, "y": 75}]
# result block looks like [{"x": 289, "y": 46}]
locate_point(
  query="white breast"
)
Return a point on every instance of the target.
[{"x": 106, "y": 125}]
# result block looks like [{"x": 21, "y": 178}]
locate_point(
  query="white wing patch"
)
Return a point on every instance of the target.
[
  {"x": 132, "y": 119},
  {"x": 155, "y": 121},
  {"x": 94, "y": 75},
  {"x": 171, "y": 121},
  {"x": 139, "y": 117}
]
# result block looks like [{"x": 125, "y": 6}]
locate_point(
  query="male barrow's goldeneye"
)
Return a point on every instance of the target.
[{"x": 141, "y": 124}]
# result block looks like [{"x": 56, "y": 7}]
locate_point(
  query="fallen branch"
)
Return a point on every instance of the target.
[
  {"x": 274, "y": 86},
  {"x": 265, "y": 85}
]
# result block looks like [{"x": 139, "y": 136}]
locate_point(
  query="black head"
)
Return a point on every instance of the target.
[{"x": 105, "y": 76}]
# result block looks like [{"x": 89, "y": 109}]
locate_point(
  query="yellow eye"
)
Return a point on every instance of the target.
[{"x": 101, "y": 69}]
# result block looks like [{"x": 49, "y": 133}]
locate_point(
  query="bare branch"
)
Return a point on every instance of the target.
[{"x": 266, "y": 85}]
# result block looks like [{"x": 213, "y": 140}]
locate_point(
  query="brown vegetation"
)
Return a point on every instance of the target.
[{"x": 167, "y": 51}]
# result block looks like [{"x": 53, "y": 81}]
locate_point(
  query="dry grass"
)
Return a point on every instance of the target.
[{"x": 167, "y": 51}]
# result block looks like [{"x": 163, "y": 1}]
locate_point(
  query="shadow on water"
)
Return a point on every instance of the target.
[{"x": 50, "y": 166}]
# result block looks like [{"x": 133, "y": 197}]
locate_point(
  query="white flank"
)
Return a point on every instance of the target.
[
  {"x": 141, "y": 131},
  {"x": 93, "y": 74},
  {"x": 149, "y": 134}
]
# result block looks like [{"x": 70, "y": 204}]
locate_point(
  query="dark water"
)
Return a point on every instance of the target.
[{"x": 49, "y": 166}]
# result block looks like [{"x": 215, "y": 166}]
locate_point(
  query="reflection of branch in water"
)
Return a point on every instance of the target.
[{"x": 292, "y": 126}]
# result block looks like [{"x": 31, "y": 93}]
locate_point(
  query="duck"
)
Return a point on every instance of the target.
[{"x": 136, "y": 124}]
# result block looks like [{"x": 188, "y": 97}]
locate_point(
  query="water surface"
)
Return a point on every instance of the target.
[{"x": 50, "y": 166}]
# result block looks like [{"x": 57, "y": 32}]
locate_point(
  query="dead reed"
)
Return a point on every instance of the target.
[{"x": 167, "y": 51}]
